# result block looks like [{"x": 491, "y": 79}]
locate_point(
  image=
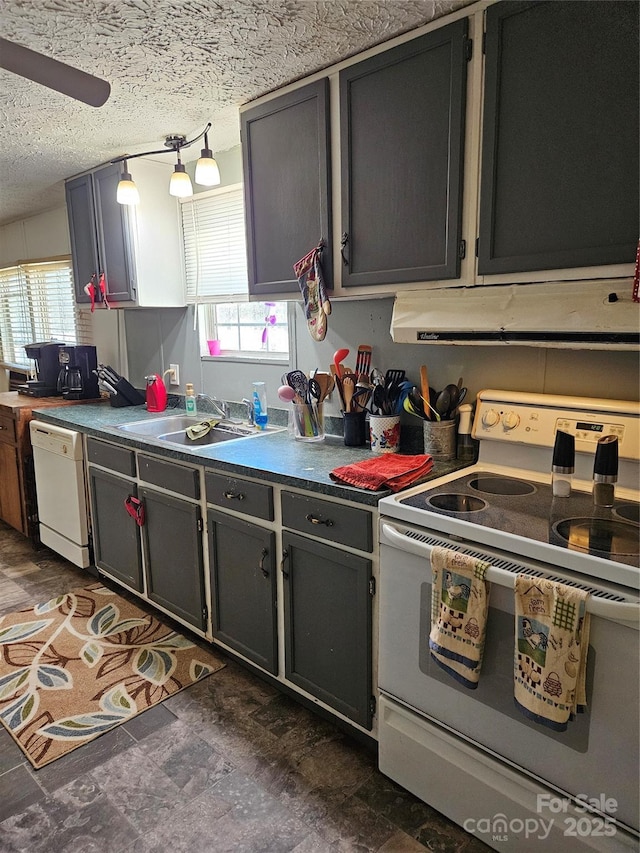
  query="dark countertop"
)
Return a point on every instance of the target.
[{"x": 276, "y": 456}]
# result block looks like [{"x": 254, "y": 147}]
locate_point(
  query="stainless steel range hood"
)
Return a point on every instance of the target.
[{"x": 567, "y": 314}]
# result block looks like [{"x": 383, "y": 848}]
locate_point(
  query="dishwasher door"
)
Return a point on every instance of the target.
[{"x": 60, "y": 489}]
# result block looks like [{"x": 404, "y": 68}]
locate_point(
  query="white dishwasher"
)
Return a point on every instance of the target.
[{"x": 60, "y": 488}]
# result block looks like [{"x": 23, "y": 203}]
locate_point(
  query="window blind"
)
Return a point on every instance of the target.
[
  {"x": 37, "y": 303},
  {"x": 215, "y": 249}
]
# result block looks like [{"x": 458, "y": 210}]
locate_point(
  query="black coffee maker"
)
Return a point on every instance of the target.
[
  {"x": 47, "y": 369},
  {"x": 76, "y": 377}
]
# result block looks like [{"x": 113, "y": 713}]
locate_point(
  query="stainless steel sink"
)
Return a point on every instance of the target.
[
  {"x": 158, "y": 426},
  {"x": 173, "y": 429}
]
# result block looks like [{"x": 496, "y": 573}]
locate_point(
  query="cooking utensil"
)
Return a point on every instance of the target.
[
  {"x": 298, "y": 381},
  {"x": 326, "y": 382},
  {"x": 348, "y": 390},
  {"x": 338, "y": 357},
  {"x": 443, "y": 403},
  {"x": 424, "y": 389},
  {"x": 286, "y": 393},
  {"x": 363, "y": 360}
]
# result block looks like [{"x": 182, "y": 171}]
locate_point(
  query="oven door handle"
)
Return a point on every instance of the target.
[{"x": 617, "y": 611}]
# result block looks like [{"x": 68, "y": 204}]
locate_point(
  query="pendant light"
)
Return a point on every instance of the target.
[
  {"x": 180, "y": 183},
  {"x": 207, "y": 172},
  {"x": 127, "y": 192}
]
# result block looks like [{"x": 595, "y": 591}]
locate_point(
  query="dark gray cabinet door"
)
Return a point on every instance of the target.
[
  {"x": 172, "y": 536},
  {"x": 116, "y": 536},
  {"x": 100, "y": 234},
  {"x": 243, "y": 583},
  {"x": 82, "y": 233},
  {"x": 114, "y": 235},
  {"x": 560, "y": 136},
  {"x": 402, "y": 143},
  {"x": 327, "y": 605},
  {"x": 285, "y": 150}
]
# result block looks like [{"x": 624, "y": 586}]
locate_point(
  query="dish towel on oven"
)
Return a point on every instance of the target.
[
  {"x": 552, "y": 638},
  {"x": 459, "y": 605}
]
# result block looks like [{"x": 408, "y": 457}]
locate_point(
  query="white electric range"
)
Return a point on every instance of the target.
[{"x": 471, "y": 754}]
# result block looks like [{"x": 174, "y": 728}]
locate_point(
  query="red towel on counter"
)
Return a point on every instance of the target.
[{"x": 387, "y": 471}]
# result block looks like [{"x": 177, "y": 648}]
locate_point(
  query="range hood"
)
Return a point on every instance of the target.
[{"x": 567, "y": 314}]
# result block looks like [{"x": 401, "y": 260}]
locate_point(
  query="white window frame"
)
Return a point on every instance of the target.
[{"x": 207, "y": 299}]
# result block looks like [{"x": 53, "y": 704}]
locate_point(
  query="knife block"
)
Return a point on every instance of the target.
[{"x": 127, "y": 395}]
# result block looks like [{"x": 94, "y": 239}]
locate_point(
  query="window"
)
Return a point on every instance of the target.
[
  {"x": 215, "y": 256},
  {"x": 37, "y": 304}
]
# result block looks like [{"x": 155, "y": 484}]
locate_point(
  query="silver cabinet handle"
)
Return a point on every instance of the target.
[
  {"x": 263, "y": 556},
  {"x": 234, "y": 496}
]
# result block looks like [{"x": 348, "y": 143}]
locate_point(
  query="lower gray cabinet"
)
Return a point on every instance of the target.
[
  {"x": 242, "y": 559},
  {"x": 327, "y": 611},
  {"x": 172, "y": 536},
  {"x": 116, "y": 536}
]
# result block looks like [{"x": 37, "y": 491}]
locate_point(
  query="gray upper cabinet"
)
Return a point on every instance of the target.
[
  {"x": 559, "y": 183},
  {"x": 402, "y": 144},
  {"x": 285, "y": 149},
  {"x": 100, "y": 234}
]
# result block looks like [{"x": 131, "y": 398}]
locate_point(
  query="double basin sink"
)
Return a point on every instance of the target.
[{"x": 173, "y": 430}]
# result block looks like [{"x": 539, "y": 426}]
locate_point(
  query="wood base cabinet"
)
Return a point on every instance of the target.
[
  {"x": 327, "y": 609},
  {"x": 242, "y": 560}
]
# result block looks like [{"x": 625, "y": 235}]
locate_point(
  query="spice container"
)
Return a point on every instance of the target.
[
  {"x": 563, "y": 464},
  {"x": 605, "y": 471}
]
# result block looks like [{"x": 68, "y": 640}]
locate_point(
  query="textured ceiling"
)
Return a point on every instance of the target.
[{"x": 173, "y": 65}]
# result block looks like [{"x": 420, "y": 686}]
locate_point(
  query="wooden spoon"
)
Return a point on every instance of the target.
[
  {"x": 424, "y": 388},
  {"x": 348, "y": 390}
]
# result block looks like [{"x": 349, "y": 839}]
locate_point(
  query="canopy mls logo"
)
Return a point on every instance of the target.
[{"x": 582, "y": 822}]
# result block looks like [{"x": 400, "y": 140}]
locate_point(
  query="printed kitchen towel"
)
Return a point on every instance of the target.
[
  {"x": 459, "y": 606},
  {"x": 389, "y": 471},
  {"x": 552, "y": 638}
]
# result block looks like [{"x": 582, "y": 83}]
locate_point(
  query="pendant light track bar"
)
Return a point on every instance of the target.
[{"x": 172, "y": 143}]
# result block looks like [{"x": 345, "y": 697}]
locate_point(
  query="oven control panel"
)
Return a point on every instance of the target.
[{"x": 534, "y": 420}]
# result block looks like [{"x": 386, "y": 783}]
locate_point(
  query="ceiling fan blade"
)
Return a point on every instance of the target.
[{"x": 56, "y": 75}]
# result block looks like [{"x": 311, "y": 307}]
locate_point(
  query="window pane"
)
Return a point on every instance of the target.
[{"x": 228, "y": 337}]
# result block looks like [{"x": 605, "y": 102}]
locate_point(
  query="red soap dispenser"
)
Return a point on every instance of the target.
[{"x": 156, "y": 393}]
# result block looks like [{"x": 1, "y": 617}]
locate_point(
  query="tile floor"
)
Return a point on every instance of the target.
[{"x": 227, "y": 766}]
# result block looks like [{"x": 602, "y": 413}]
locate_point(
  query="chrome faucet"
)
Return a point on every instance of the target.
[
  {"x": 219, "y": 406},
  {"x": 251, "y": 415}
]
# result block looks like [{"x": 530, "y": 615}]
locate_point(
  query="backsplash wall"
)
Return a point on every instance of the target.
[{"x": 157, "y": 337}]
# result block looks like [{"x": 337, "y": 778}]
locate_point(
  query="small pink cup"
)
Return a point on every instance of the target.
[{"x": 214, "y": 347}]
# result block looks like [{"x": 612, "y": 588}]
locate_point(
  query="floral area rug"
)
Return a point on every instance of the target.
[{"x": 80, "y": 664}]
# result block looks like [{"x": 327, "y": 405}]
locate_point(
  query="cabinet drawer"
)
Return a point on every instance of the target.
[
  {"x": 7, "y": 429},
  {"x": 168, "y": 475},
  {"x": 119, "y": 459},
  {"x": 331, "y": 521},
  {"x": 254, "y": 499}
]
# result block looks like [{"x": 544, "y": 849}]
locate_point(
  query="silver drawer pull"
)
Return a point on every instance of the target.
[
  {"x": 234, "y": 495},
  {"x": 314, "y": 520}
]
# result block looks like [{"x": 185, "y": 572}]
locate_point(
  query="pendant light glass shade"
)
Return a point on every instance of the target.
[
  {"x": 127, "y": 192},
  {"x": 207, "y": 172},
  {"x": 180, "y": 184}
]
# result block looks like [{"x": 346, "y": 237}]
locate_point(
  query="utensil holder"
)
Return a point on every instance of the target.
[
  {"x": 308, "y": 421},
  {"x": 440, "y": 439},
  {"x": 355, "y": 429},
  {"x": 384, "y": 433}
]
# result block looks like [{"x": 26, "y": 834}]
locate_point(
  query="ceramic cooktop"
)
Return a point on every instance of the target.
[{"x": 518, "y": 507}]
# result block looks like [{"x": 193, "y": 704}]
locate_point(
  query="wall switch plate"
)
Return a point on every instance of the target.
[{"x": 174, "y": 375}]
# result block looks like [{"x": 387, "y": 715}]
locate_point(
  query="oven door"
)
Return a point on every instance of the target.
[{"x": 596, "y": 757}]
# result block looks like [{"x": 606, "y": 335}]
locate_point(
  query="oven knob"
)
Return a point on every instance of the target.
[
  {"x": 490, "y": 418},
  {"x": 510, "y": 420}
]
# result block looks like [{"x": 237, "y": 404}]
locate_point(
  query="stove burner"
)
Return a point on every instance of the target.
[
  {"x": 501, "y": 486},
  {"x": 599, "y": 535},
  {"x": 630, "y": 512},
  {"x": 457, "y": 503}
]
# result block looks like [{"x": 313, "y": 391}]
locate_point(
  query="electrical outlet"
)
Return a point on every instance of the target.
[{"x": 174, "y": 376}]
